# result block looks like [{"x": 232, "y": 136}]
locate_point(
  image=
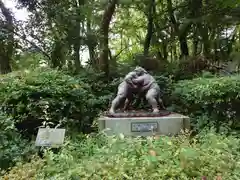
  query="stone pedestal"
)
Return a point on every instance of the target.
[{"x": 170, "y": 124}]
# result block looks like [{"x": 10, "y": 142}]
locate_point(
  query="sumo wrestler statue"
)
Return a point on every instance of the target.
[{"x": 140, "y": 82}]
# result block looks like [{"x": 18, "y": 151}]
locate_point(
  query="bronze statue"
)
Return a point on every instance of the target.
[{"x": 138, "y": 82}]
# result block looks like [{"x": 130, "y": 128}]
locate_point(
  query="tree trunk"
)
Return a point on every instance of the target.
[
  {"x": 181, "y": 36},
  {"x": 175, "y": 55},
  {"x": 202, "y": 27},
  {"x": 196, "y": 6},
  {"x": 5, "y": 65},
  {"x": 57, "y": 55},
  {"x": 92, "y": 56},
  {"x": 76, "y": 40},
  {"x": 149, "y": 28},
  {"x": 183, "y": 45},
  {"x": 205, "y": 40},
  {"x": 6, "y": 56},
  {"x": 91, "y": 43},
  {"x": 162, "y": 47},
  {"x": 107, "y": 16},
  {"x": 195, "y": 42},
  {"x": 76, "y": 47}
]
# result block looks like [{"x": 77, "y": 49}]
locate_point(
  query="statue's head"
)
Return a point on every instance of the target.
[{"x": 139, "y": 70}]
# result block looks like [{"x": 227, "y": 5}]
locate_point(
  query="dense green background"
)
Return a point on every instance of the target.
[{"x": 191, "y": 47}]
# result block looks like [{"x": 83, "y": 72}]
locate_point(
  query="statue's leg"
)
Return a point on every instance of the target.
[
  {"x": 128, "y": 101},
  {"x": 151, "y": 96},
  {"x": 140, "y": 97},
  {"x": 120, "y": 98},
  {"x": 138, "y": 100},
  {"x": 160, "y": 102},
  {"x": 116, "y": 102},
  {"x": 126, "y": 104}
]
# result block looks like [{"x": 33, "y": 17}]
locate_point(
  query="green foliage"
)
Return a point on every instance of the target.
[
  {"x": 179, "y": 157},
  {"x": 217, "y": 97},
  {"x": 30, "y": 169},
  {"x": 29, "y": 60},
  {"x": 33, "y": 97},
  {"x": 166, "y": 84},
  {"x": 48, "y": 95},
  {"x": 100, "y": 88},
  {"x": 13, "y": 147}
]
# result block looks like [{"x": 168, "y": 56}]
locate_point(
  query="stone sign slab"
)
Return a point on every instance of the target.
[{"x": 50, "y": 137}]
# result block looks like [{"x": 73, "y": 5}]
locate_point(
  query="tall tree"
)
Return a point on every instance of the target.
[
  {"x": 6, "y": 51},
  {"x": 181, "y": 33},
  {"x": 149, "y": 27},
  {"x": 104, "y": 30}
]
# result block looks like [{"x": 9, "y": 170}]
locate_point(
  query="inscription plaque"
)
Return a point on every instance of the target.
[
  {"x": 50, "y": 137},
  {"x": 144, "y": 126}
]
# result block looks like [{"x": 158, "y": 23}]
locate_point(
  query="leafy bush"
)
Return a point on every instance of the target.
[
  {"x": 13, "y": 147},
  {"x": 48, "y": 95},
  {"x": 179, "y": 157},
  {"x": 101, "y": 89},
  {"x": 217, "y": 98},
  {"x": 166, "y": 85},
  {"x": 53, "y": 96},
  {"x": 30, "y": 170}
]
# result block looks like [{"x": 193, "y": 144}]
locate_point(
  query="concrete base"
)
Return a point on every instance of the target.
[{"x": 144, "y": 126}]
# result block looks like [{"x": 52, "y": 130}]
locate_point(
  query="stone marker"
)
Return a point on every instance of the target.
[
  {"x": 171, "y": 124},
  {"x": 50, "y": 137}
]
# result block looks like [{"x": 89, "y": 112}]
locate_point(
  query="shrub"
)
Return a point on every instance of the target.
[
  {"x": 30, "y": 170},
  {"x": 13, "y": 147},
  {"x": 179, "y": 157},
  {"x": 101, "y": 89},
  {"x": 217, "y": 97},
  {"x": 166, "y": 85},
  {"x": 53, "y": 96},
  {"x": 48, "y": 95}
]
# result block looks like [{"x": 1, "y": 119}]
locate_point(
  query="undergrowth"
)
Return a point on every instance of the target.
[{"x": 100, "y": 157}]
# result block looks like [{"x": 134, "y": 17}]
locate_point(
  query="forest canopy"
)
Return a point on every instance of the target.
[{"x": 106, "y": 34}]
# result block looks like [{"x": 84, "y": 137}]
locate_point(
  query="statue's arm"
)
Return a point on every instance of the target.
[
  {"x": 138, "y": 80},
  {"x": 146, "y": 87},
  {"x": 129, "y": 79}
]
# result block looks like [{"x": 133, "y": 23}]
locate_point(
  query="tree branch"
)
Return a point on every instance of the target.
[{"x": 23, "y": 37}]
